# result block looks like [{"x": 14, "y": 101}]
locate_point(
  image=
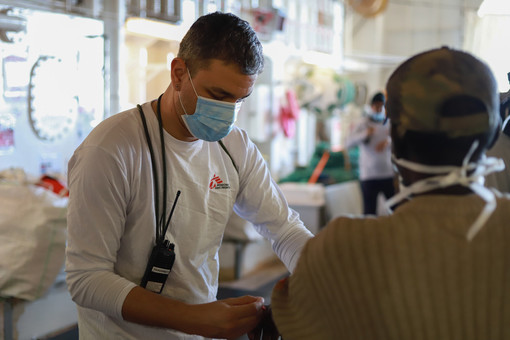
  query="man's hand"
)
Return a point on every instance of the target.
[
  {"x": 225, "y": 319},
  {"x": 229, "y": 318}
]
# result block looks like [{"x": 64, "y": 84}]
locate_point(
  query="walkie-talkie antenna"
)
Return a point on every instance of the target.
[{"x": 171, "y": 212}]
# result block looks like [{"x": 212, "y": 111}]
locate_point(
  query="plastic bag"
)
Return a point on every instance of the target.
[{"x": 32, "y": 239}]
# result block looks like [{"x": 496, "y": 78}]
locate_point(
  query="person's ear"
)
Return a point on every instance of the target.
[{"x": 178, "y": 73}]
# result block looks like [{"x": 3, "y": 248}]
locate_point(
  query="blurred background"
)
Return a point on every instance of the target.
[{"x": 68, "y": 64}]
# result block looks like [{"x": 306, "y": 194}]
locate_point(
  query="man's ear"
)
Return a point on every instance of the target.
[{"x": 178, "y": 73}]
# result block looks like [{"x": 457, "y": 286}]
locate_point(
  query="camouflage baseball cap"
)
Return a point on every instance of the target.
[{"x": 418, "y": 88}]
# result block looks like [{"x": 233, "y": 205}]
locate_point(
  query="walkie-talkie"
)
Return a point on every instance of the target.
[
  {"x": 159, "y": 266},
  {"x": 161, "y": 261}
]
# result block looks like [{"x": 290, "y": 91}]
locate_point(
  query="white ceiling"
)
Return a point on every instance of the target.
[
  {"x": 407, "y": 27},
  {"x": 374, "y": 46}
]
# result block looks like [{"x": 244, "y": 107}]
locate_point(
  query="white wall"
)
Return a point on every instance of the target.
[{"x": 378, "y": 44}]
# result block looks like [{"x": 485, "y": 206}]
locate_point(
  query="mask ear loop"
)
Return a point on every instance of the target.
[
  {"x": 191, "y": 81},
  {"x": 193, "y": 86},
  {"x": 237, "y": 105}
]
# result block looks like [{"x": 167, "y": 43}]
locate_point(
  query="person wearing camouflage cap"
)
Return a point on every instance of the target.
[{"x": 438, "y": 266}]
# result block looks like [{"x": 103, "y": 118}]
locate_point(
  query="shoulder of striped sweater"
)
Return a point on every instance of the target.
[
  {"x": 351, "y": 219},
  {"x": 346, "y": 224}
]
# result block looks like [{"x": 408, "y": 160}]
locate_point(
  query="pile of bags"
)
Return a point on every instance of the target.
[{"x": 32, "y": 235}]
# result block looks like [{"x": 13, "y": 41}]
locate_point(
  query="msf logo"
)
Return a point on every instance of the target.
[{"x": 217, "y": 183}]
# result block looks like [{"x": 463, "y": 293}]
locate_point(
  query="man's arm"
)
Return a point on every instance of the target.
[
  {"x": 229, "y": 318},
  {"x": 261, "y": 202}
]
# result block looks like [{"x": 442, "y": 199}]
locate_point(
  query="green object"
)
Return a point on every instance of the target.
[{"x": 336, "y": 170}]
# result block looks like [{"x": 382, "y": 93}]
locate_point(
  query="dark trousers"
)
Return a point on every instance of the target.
[{"x": 370, "y": 189}]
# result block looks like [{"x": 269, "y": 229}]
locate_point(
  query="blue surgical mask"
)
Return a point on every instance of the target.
[
  {"x": 212, "y": 119},
  {"x": 377, "y": 116}
]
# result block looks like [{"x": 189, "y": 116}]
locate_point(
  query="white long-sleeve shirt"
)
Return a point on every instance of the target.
[
  {"x": 373, "y": 164},
  {"x": 111, "y": 223}
]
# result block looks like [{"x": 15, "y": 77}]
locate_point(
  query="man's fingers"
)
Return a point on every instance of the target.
[
  {"x": 250, "y": 310},
  {"x": 242, "y": 300}
]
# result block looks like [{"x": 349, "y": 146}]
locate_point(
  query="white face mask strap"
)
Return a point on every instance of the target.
[
  {"x": 193, "y": 86},
  {"x": 486, "y": 166},
  {"x": 490, "y": 205},
  {"x": 191, "y": 81},
  {"x": 424, "y": 185},
  {"x": 182, "y": 105},
  {"x": 451, "y": 175},
  {"x": 236, "y": 105},
  {"x": 439, "y": 169},
  {"x": 465, "y": 161},
  {"x": 430, "y": 169},
  {"x": 489, "y": 165}
]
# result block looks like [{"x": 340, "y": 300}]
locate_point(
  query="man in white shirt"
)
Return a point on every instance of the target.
[{"x": 133, "y": 162}]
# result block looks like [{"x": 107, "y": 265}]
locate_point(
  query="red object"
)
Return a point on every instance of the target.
[
  {"x": 289, "y": 114},
  {"x": 264, "y": 20},
  {"x": 54, "y": 185},
  {"x": 6, "y": 137}
]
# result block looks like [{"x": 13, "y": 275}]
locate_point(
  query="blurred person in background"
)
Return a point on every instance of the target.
[{"x": 372, "y": 136}]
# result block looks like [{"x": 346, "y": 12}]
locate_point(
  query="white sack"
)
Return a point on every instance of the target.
[{"x": 32, "y": 239}]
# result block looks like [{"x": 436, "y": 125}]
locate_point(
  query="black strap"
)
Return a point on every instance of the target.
[
  {"x": 163, "y": 161},
  {"x": 228, "y": 153},
  {"x": 154, "y": 170},
  {"x": 161, "y": 225}
]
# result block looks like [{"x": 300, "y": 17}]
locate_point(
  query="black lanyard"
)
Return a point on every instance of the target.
[{"x": 161, "y": 226}]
